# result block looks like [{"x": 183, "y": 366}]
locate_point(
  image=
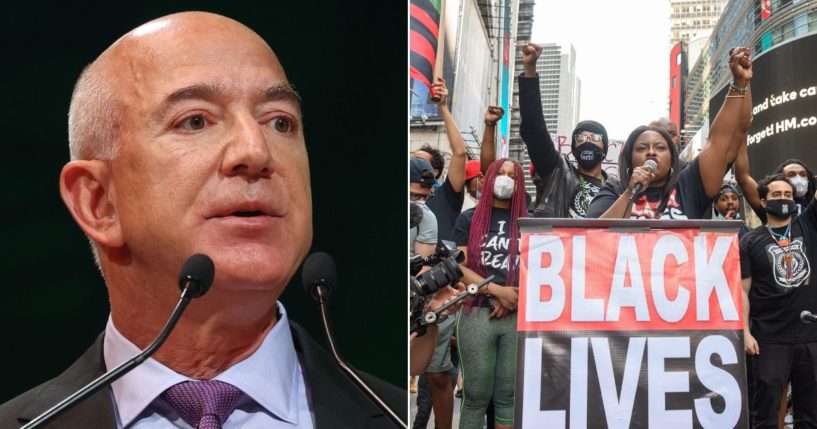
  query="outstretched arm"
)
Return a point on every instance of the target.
[
  {"x": 456, "y": 166},
  {"x": 716, "y": 153},
  {"x": 533, "y": 129},
  {"x": 747, "y": 183},
  {"x": 487, "y": 153}
]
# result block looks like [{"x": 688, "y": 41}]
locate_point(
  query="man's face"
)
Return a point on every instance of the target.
[
  {"x": 672, "y": 130},
  {"x": 475, "y": 185},
  {"x": 212, "y": 157},
  {"x": 779, "y": 190},
  {"x": 727, "y": 204},
  {"x": 794, "y": 170},
  {"x": 587, "y": 136},
  {"x": 417, "y": 193}
]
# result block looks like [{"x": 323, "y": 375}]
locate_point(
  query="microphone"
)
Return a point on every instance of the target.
[
  {"x": 195, "y": 279},
  {"x": 807, "y": 317},
  {"x": 652, "y": 165},
  {"x": 319, "y": 280}
]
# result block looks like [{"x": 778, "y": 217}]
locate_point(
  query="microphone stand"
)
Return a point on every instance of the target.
[
  {"x": 113, "y": 375},
  {"x": 360, "y": 383}
]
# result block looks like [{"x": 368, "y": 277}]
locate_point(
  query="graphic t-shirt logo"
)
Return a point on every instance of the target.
[
  {"x": 800, "y": 268},
  {"x": 644, "y": 209},
  {"x": 581, "y": 201}
]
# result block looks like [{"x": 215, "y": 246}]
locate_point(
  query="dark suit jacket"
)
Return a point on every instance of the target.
[{"x": 336, "y": 401}]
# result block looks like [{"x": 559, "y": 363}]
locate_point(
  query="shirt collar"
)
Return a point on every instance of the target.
[{"x": 269, "y": 376}]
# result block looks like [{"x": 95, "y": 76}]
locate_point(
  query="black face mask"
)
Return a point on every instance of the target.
[
  {"x": 781, "y": 209},
  {"x": 588, "y": 155}
]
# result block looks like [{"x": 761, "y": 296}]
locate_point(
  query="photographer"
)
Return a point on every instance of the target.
[{"x": 423, "y": 235}]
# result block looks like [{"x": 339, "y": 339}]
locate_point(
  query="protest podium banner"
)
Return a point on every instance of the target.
[{"x": 630, "y": 324}]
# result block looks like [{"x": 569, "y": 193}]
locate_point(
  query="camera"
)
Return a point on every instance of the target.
[{"x": 445, "y": 270}]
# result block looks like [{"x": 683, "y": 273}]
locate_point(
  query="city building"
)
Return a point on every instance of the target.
[
  {"x": 474, "y": 37},
  {"x": 758, "y": 24},
  {"x": 560, "y": 88}
]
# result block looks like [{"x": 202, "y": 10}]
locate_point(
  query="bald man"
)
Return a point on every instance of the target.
[{"x": 186, "y": 137}]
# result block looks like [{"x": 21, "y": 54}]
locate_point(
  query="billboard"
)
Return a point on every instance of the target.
[
  {"x": 629, "y": 324},
  {"x": 784, "y": 100}
]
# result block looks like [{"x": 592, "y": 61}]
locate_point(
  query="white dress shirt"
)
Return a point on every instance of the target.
[{"x": 274, "y": 393}]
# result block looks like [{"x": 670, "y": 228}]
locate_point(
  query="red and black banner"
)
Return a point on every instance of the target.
[
  {"x": 424, "y": 29},
  {"x": 630, "y": 328}
]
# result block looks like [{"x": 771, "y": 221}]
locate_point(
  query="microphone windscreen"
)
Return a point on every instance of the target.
[
  {"x": 319, "y": 270},
  {"x": 651, "y": 164},
  {"x": 199, "y": 270}
]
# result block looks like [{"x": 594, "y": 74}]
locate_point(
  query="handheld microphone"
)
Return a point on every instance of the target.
[
  {"x": 652, "y": 165},
  {"x": 807, "y": 317},
  {"x": 319, "y": 277},
  {"x": 195, "y": 279}
]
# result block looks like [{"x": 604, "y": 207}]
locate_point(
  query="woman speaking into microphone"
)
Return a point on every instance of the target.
[{"x": 651, "y": 183}]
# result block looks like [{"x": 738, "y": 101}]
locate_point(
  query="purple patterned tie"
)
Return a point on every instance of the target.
[{"x": 203, "y": 404}]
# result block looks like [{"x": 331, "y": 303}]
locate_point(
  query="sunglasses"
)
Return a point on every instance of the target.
[{"x": 582, "y": 138}]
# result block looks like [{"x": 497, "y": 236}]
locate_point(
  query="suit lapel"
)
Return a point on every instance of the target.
[
  {"x": 335, "y": 401},
  {"x": 96, "y": 412}
]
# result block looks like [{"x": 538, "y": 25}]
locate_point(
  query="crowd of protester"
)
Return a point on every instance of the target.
[{"x": 777, "y": 241}]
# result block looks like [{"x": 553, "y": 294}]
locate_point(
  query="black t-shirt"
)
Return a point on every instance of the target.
[
  {"x": 494, "y": 248},
  {"x": 775, "y": 303},
  {"x": 688, "y": 199},
  {"x": 588, "y": 187},
  {"x": 446, "y": 204}
]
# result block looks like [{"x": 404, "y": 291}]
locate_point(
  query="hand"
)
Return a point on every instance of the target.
[
  {"x": 498, "y": 312},
  {"x": 642, "y": 175},
  {"x": 740, "y": 63},
  {"x": 506, "y": 296},
  {"x": 750, "y": 344},
  {"x": 530, "y": 54},
  {"x": 494, "y": 114},
  {"x": 442, "y": 296},
  {"x": 730, "y": 214},
  {"x": 441, "y": 90}
]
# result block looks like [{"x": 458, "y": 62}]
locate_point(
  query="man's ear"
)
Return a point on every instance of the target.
[
  {"x": 763, "y": 203},
  {"x": 85, "y": 188}
]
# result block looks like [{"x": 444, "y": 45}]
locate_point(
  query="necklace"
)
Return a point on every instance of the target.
[{"x": 783, "y": 242}]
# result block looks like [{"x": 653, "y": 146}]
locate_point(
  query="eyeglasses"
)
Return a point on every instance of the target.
[
  {"x": 416, "y": 196},
  {"x": 582, "y": 138}
]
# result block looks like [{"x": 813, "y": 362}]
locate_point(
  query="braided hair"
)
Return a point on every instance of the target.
[
  {"x": 625, "y": 164},
  {"x": 481, "y": 222}
]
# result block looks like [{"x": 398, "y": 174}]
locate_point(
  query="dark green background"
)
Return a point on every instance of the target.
[{"x": 348, "y": 60}]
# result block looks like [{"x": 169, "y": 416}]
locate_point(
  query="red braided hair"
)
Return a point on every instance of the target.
[{"x": 481, "y": 222}]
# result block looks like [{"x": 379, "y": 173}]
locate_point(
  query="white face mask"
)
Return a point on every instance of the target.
[
  {"x": 800, "y": 186},
  {"x": 503, "y": 187}
]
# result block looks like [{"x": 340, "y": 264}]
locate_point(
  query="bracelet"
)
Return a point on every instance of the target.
[
  {"x": 490, "y": 124},
  {"x": 735, "y": 96},
  {"x": 739, "y": 90}
]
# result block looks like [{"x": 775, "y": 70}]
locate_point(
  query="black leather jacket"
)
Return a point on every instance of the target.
[{"x": 556, "y": 178}]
